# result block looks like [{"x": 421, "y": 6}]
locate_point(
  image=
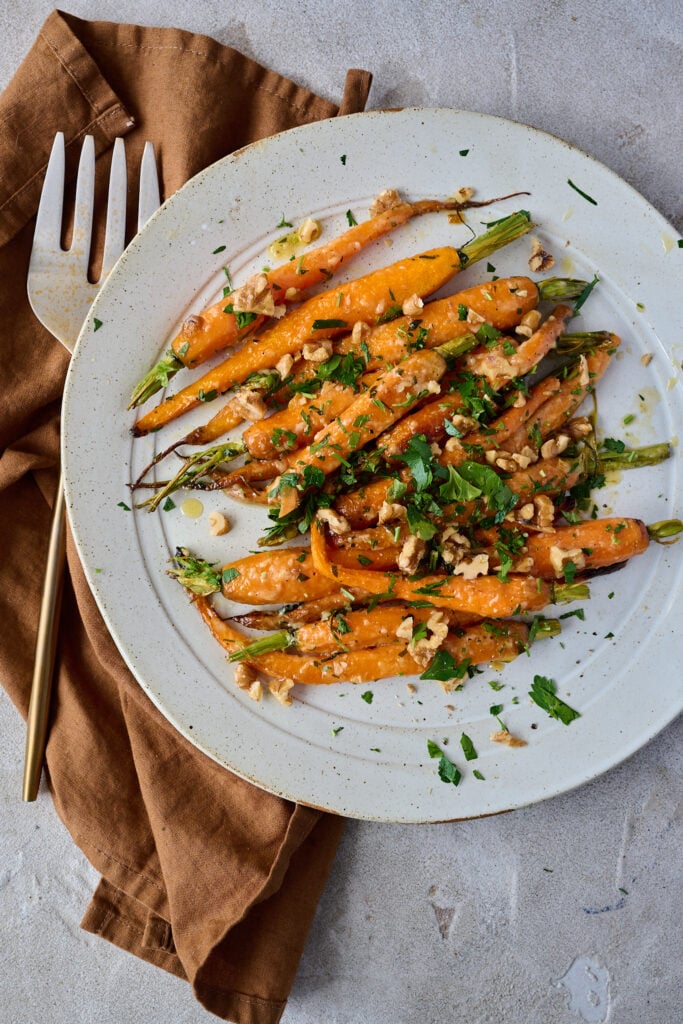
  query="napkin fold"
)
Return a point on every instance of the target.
[{"x": 202, "y": 873}]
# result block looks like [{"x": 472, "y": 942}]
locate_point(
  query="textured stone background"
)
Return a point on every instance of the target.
[{"x": 518, "y": 919}]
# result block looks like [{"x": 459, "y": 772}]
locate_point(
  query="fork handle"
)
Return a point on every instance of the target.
[{"x": 46, "y": 646}]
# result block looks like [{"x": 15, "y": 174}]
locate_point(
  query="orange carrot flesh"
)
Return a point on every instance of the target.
[
  {"x": 362, "y": 628},
  {"x": 204, "y": 334},
  {"x": 501, "y": 303},
  {"x": 486, "y": 595},
  {"x": 373, "y": 411},
  {"x": 592, "y": 544},
  {"x": 476, "y": 645},
  {"x": 558, "y": 408},
  {"x": 276, "y": 577},
  {"x": 365, "y": 298}
]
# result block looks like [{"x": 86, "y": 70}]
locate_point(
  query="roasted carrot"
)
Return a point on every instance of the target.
[
  {"x": 560, "y": 407},
  {"x": 486, "y": 595},
  {"x": 501, "y": 304},
  {"x": 214, "y": 329},
  {"x": 298, "y": 424},
  {"x": 579, "y": 548},
  {"x": 365, "y": 299},
  {"x": 272, "y": 577},
  {"x": 323, "y": 316},
  {"x": 494, "y": 365},
  {"x": 204, "y": 334},
  {"x": 372, "y": 411},
  {"x": 475, "y": 646}
]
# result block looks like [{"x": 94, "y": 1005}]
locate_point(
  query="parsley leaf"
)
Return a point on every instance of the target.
[
  {"x": 543, "y": 692},
  {"x": 448, "y": 772},
  {"x": 468, "y": 748},
  {"x": 444, "y": 667},
  {"x": 418, "y": 457}
]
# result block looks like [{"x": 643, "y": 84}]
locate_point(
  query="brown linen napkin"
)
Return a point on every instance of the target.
[{"x": 202, "y": 873}]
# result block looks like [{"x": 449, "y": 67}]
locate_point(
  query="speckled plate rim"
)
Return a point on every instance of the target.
[{"x": 166, "y": 270}]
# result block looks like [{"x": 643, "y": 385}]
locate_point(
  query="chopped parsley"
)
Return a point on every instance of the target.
[
  {"x": 543, "y": 692},
  {"x": 448, "y": 772},
  {"x": 368, "y": 696},
  {"x": 443, "y": 666},
  {"x": 581, "y": 192},
  {"x": 468, "y": 748}
]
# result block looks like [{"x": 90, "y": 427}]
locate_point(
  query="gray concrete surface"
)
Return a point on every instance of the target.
[{"x": 562, "y": 913}]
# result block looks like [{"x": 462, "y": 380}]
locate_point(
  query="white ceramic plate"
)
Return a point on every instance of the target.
[{"x": 331, "y": 749}]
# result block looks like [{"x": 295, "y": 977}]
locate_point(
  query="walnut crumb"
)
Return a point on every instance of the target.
[
  {"x": 388, "y": 199},
  {"x": 317, "y": 351},
  {"x": 646, "y": 359},
  {"x": 411, "y": 553},
  {"x": 249, "y": 405},
  {"x": 280, "y": 690},
  {"x": 412, "y": 306},
  {"x": 255, "y": 296},
  {"x": 507, "y": 739},
  {"x": 218, "y": 524},
  {"x": 540, "y": 258},
  {"x": 336, "y": 522}
]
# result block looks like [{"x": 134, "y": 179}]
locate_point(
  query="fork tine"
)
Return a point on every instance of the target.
[
  {"x": 115, "y": 231},
  {"x": 48, "y": 228},
  {"x": 85, "y": 199},
  {"x": 149, "y": 199}
]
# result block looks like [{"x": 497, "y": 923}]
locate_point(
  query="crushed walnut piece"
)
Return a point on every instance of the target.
[
  {"x": 280, "y": 690},
  {"x": 507, "y": 739},
  {"x": 359, "y": 332},
  {"x": 540, "y": 258},
  {"x": 284, "y": 365},
  {"x": 249, "y": 405},
  {"x": 317, "y": 351},
  {"x": 309, "y": 230},
  {"x": 470, "y": 568},
  {"x": 423, "y": 650},
  {"x": 246, "y": 679},
  {"x": 405, "y": 629},
  {"x": 555, "y": 446},
  {"x": 337, "y": 523},
  {"x": 218, "y": 524},
  {"x": 559, "y": 557},
  {"x": 411, "y": 553},
  {"x": 463, "y": 194},
  {"x": 388, "y": 199},
  {"x": 391, "y": 512},
  {"x": 579, "y": 427},
  {"x": 539, "y": 513},
  {"x": 646, "y": 359},
  {"x": 412, "y": 305},
  {"x": 255, "y": 296}
]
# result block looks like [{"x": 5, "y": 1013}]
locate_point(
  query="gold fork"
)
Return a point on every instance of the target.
[{"x": 61, "y": 295}]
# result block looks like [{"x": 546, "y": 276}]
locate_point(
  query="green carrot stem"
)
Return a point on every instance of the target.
[
  {"x": 156, "y": 379},
  {"x": 499, "y": 234},
  {"x": 560, "y": 288},
  {"x": 634, "y": 458},
  {"x": 563, "y": 593},
  {"x": 578, "y": 342},
  {"x": 543, "y": 628},
  {"x": 457, "y": 346},
  {"x": 198, "y": 465},
  {"x": 195, "y": 574},
  {"x": 275, "y": 642},
  {"x": 665, "y": 528}
]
